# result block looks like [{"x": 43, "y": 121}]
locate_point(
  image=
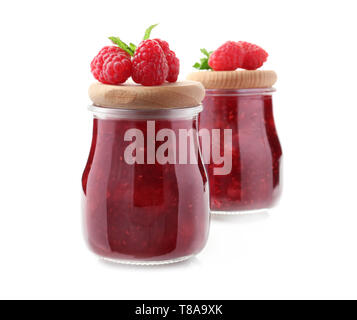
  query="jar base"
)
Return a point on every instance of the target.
[
  {"x": 242, "y": 212},
  {"x": 147, "y": 263}
]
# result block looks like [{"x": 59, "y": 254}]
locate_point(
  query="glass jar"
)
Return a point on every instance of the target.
[
  {"x": 254, "y": 182},
  {"x": 141, "y": 205}
]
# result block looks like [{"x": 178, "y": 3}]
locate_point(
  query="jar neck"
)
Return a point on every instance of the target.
[
  {"x": 240, "y": 92},
  {"x": 146, "y": 114},
  {"x": 227, "y": 105},
  {"x": 153, "y": 134}
]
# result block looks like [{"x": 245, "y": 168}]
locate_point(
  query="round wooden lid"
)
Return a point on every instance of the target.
[
  {"x": 131, "y": 96},
  {"x": 240, "y": 79}
]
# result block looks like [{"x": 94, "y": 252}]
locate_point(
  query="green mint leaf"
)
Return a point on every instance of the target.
[
  {"x": 132, "y": 46},
  {"x": 148, "y": 31},
  {"x": 203, "y": 64},
  {"x": 122, "y": 45}
]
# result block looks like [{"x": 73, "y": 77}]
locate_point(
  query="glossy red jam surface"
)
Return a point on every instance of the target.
[
  {"x": 254, "y": 182},
  {"x": 148, "y": 212}
]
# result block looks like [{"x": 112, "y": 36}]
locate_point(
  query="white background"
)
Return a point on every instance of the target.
[{"x": 305, "y": 248}]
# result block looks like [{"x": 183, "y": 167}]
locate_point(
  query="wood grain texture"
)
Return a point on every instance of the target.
[
  {"x": 131, "y": 96},
  {"x": 240, "y": 79}
]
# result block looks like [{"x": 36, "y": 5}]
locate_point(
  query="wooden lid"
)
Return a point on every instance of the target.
[
  {"x": 240, "y": 79},
  {"x": 131, "y": 96}
]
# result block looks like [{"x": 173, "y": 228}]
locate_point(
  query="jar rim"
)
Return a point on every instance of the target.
[
  {"x": 240, "y": 92},
  {"x": 145, "y": 114}
]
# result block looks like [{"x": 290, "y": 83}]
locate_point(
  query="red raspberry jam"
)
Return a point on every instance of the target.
[
  {"x": 143, "y": 213},
  {"x": 255, "y": 180}
]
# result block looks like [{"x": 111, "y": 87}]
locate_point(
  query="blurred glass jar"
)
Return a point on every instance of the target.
[{"x": 254, "y": 182}]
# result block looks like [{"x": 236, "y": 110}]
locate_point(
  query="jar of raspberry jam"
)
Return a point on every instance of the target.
[
  {"x": 239, "y": 103},
  {"x": 144, "y": 201}
]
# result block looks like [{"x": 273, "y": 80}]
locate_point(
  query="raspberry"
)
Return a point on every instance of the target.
[
  {"x": 116, "y": 69},
  {"x": 164, "y": 45},
  {"x": 174, "y": 66},
  {"x": 112, "y": 65},
  {"x": 227, "y": 57},
  {"x": 254, "y": 56},
  {"x": 150, "y": 66},
  {"x": 172, "y": 61}
]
